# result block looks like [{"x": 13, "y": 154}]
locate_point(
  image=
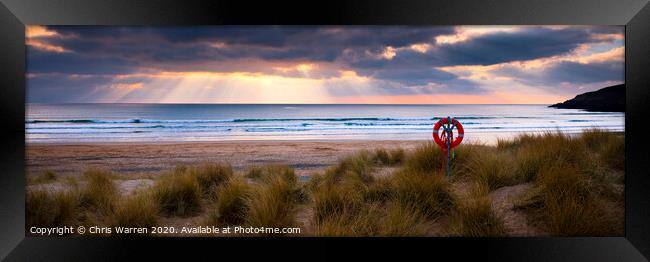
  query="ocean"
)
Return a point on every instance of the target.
[{"x": 105, "y": 123}]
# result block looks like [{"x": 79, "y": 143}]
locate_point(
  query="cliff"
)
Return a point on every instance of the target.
[{"x": 608, "y": 99}]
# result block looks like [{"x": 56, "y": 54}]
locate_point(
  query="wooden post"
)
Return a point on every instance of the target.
[{"x": 448, "y": 130}]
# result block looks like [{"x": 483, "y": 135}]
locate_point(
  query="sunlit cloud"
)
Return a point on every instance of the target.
[
  {"x": 299, "y": 70},
  {"x": 608, "y": 36},
  {"x": 389, "y": 53},
  {"x": 466, "y": 33},
  {"x": 36, "y": 35},
  {"x": 217, "y": 45},
  {"x": 615, "y": 54},
  {"x": 237, "y": 87},
  {"x": 127, "y": 86},
  {"x": 40, "y": 45},
  {"x": 33, "y": 31},
  {"x": 420, "y": 48}
]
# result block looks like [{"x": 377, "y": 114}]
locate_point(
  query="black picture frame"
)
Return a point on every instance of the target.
[{"x": 634, "y": 14}]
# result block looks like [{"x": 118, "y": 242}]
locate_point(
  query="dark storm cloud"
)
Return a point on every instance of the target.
[
  {"x": 412, "y": 76},
  {"x": 513, "y": 46},
  {"x": 411, "y": 67},
  {"x": 569, "y": 72},
  {"x": 269, "y": 42},
  {"x": 74, "y": 63},
  {"x": 416, "y": 75},
  {"x": 586, "y": 73},
  {"x": 180, "y": 44},
  {"x": 59, "y": 87}
]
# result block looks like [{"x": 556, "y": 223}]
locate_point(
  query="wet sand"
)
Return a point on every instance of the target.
[{"x": 146, "y": 159}]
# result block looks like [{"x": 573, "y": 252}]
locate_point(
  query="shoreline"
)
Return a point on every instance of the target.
[
  {"x": 27, "y": 144},
  {"x": 483, "y": 138},
  {"x": 144, "y": 159}
]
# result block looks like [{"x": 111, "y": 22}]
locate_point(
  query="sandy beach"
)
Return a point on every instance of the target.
[{"x": 135, "y": 159}]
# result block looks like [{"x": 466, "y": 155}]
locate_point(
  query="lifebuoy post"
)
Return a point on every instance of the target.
[{"x": 447, "y": 142}]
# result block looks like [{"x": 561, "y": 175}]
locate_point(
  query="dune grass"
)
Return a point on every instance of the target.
[
  {"x": 535, "y": 153},
  {"x": 332, "y": 201},
  {"x": 269, "y": 202},
  {"x": 44, "y": 208},
  {"x": 231, "y": 203},
  {"x": 338, "y": 199},
  {"x": 47, "y": 176},
  {"x": 576, "y": 183},
  {"x": 386, "y": 157},
  {"x": 609, "y": 147},
  {"x": 360, "y": 165},
  {"x": 492, "y": 169},
  {"x": 178, "y": 193},
  {"x": 375, "y": 220},
  {"x": 270, "y": 172},
  {"x": 565, "y": 203},
  {"x": 208, "y": 176},
  {"x": 403, "y": 221},
  {"x": 575, "y": 180},
  {"x": 427, "y": 193},
  {"x": 474, "y": 216},
  {"x": 71, "y": 182},
  {"x": 351, "y": 208},
  {"x": 92, "y": 202},
  {"x": 346, "y": 203},
  {"x": 273, "y": 204},
  {"x": 381, "y": 190},
  {"x": 138, "y": 210},
  {"x": 100, "y": 191},
  {"x": 255, "y": 172},
  {"x": 426, "y": 158}
]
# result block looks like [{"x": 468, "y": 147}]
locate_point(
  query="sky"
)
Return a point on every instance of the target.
[{"x": 321, "y": 64}]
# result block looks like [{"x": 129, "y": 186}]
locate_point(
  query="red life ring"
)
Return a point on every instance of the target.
[{"x": 456, "y": 141}]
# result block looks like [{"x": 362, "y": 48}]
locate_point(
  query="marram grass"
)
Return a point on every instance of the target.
[{"x": 575, "y": 186}]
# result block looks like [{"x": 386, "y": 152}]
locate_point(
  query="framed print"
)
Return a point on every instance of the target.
[{"x": 513, "y": 129}]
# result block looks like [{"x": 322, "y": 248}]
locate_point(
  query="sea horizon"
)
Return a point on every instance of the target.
[
  {"x": 129, "y": 122},
  {"x": 141, "y": 103}
]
